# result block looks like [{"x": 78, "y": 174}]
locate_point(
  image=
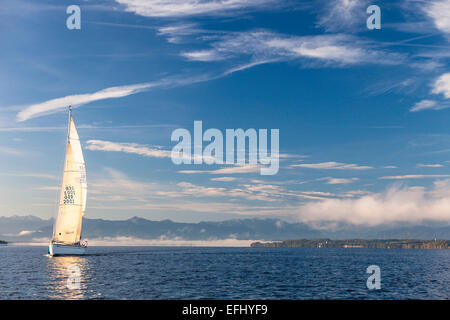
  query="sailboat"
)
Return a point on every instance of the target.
[{"x": 66, "y": 238}]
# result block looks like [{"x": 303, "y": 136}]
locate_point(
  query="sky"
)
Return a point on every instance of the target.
[{"x": 363, "y": 114}]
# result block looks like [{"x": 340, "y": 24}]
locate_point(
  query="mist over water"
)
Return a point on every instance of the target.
[{"x": 224, "y": 273}]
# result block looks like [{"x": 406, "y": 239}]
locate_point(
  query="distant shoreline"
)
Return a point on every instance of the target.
[
  {"x": 356, "y": 243},
  {"x": 296, "y": 243}
]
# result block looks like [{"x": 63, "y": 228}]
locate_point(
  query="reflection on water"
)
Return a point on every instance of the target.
[
  {"x": 67, "y": 276},
  {"x": 223, "y": 273}
]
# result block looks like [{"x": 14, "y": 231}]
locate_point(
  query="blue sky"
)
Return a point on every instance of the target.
[{"x": 363, "y": 114}]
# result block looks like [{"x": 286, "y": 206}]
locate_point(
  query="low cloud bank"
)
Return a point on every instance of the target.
[{"x": 397, "y": 204}]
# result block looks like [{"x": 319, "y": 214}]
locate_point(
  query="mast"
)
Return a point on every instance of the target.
[
  {"x": 68, "y": 127},
  {"x": 62, "y": 178}
]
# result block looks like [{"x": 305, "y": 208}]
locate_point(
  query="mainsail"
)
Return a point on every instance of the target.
[{"x": 72, "y": 201}]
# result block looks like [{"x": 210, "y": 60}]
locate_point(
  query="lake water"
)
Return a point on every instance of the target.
[{"x": 223, "y": 273}]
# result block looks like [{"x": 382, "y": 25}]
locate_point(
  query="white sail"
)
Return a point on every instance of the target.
[{"x": 72, "y": 203}]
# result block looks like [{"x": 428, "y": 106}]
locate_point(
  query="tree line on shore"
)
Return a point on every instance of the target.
[{"x": 357, "y": 243}]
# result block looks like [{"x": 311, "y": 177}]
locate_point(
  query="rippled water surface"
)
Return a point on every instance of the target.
[{"x": 224, "y": 273}]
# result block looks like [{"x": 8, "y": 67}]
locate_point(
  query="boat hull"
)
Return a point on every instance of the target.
[{"x": 55, "y": 249}]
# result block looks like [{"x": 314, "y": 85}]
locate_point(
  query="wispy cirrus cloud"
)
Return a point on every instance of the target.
[
  {"x": 338, "y": 15},
  {"x": 159, "y": 152},
  {"x": 250, "y": 65},
  {"x": 257, "y": 192},
  {"x": 57, "y": 104},
  {"x": 132, "y": 148},
  {"x": 263, "y": 45},
  {"x": 182, "y": 8},
  {"x": 76, "y": 100},
  {"x": 331, "y": 165},
  {"x": 181, "y": 32}
]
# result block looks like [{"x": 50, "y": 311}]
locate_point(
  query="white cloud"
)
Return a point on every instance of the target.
[
  {"x": 247, "y": 168},
  {"x": 421, "y": 165},
  {"x": 428, "y": 105},
  {"x": 197, "y": 206},
  {"x": 180, "y": 8},
  {"x": 25, "y": 232},
  {"x": 189, "y": 189},
  {"x": 224, "y": 179},
  {"x": 442, "y": 84},
  {"x": 259, "y": 192},
  {"x": 411, "y": 205},
  {"x": 203, "y": 55},
  {"x": 117, "y": 188},
  {"x": 133, "y": 148},
  {"x": 256, "y": 192},
  {"x": 175, "y": 33},
  {"x": 341, "y": 181},
  {"x": 331, "y": 166},
  {"x": 238, "y": 168},
  {"x": 415, "y": 176},
  {"x": 439, "y": 12}
]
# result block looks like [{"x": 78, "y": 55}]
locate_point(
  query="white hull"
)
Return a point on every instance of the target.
[{"x": 55, "y": 249}]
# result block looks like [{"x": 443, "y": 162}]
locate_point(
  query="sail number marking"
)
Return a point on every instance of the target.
[{"x": 69, "y": 195}]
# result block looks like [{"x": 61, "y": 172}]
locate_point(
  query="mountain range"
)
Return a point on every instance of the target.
[{"x": 30, "y": 228}]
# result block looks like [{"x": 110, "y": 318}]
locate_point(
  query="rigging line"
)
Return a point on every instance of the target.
[{"x": 58, "y": 191}]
